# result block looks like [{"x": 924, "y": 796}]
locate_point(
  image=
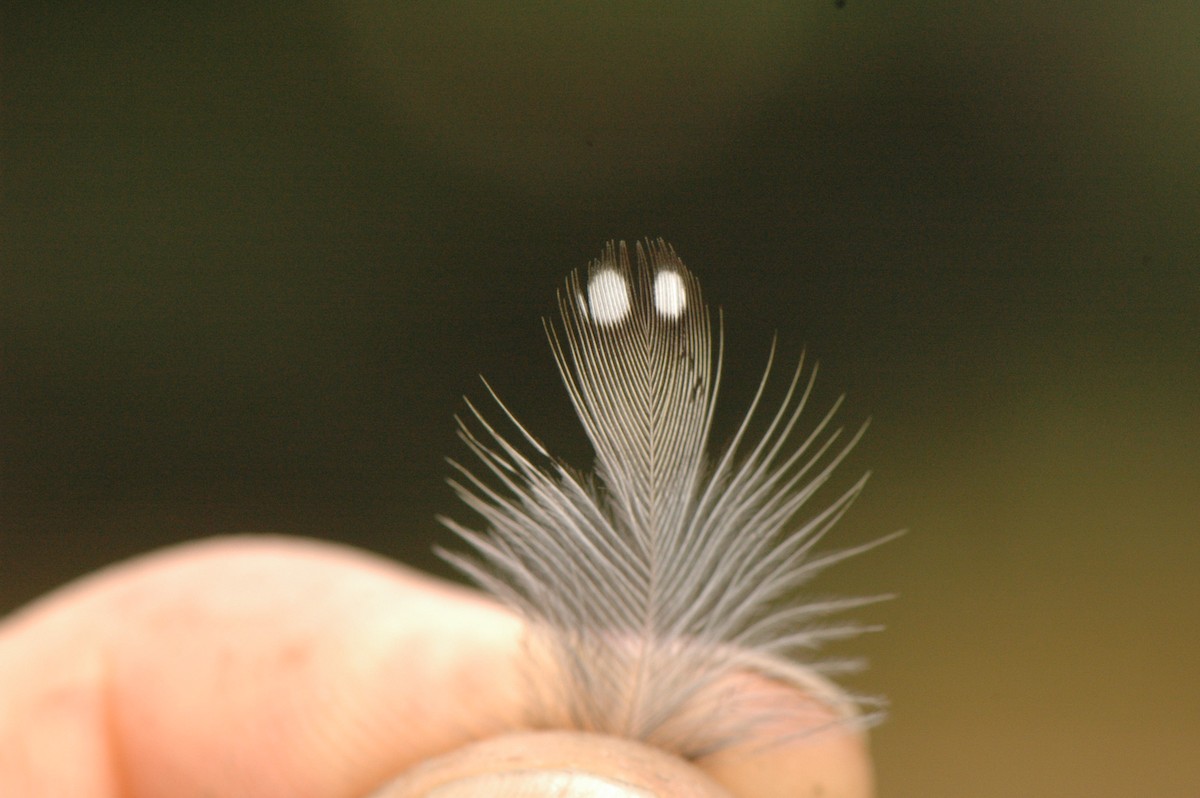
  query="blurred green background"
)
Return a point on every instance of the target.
[{"x": 252, "y": 256}]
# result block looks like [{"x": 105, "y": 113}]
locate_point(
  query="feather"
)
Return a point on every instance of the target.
[{"x": 651, "y": 583}]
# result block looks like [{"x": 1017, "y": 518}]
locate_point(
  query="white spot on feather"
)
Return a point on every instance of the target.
[
  {"x": 670, "y": 294},
  {"x": 608, "y": 297}
]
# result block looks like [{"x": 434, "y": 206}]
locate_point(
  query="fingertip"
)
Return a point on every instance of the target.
[{"x": 815, "y": 748}]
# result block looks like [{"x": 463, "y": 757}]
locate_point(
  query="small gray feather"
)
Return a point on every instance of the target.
[{"x": 651, "y": 584}]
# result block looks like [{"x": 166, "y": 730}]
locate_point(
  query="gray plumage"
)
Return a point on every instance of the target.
[{"x": 650, "y": 584}]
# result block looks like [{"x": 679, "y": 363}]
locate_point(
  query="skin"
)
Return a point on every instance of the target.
[{"x": 285, "y": 667}]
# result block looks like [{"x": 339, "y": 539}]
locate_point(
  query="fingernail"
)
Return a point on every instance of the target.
[{"x": 538, "y": 784}]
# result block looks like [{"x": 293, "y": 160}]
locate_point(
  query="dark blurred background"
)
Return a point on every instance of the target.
[{"x": 252, "y": 256}]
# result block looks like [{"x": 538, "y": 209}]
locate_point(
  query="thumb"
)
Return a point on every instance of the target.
[{"x": 555, "y": 763}]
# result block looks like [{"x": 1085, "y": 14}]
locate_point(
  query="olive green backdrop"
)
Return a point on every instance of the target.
[{"x": 251, "y": 258}]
